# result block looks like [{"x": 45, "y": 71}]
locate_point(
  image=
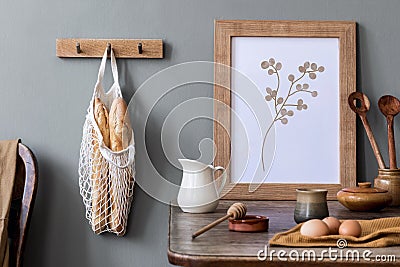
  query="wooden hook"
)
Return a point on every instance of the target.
[{"x": 95, "y": 48}]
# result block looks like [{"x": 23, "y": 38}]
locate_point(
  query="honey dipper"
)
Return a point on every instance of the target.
[{"x": 236, "y": 211}]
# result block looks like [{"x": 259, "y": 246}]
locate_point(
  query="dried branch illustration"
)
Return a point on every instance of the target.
[{"x": 283, "y": 108}]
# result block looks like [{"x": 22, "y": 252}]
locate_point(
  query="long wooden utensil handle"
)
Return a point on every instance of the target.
[
  {"x": 392, "y": 147},
  {"x": 211, "y": 225},
  {"x": 372, "y": 140}
]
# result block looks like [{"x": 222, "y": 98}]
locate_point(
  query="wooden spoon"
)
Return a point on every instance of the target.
[
  {"x": 390, "y": 107},
  {"x": 362, "y": 112}
]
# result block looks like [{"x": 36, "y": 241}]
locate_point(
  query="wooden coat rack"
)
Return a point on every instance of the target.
[{"x": 123, "y": 48}]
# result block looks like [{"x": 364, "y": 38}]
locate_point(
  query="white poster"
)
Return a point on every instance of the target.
[{"x": 294, "y": 136}]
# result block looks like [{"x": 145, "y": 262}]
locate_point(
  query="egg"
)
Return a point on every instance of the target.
[
  {"x": 350, "y": 228},
  {"x": 333, "y": 225},
  {"x": 314, "y": 228}
]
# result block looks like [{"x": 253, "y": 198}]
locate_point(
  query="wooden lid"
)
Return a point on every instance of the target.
[{"x": 364, "y": 188}]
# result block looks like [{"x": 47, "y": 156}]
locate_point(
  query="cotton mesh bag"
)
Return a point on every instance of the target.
[{"x": 106, "y": 177}]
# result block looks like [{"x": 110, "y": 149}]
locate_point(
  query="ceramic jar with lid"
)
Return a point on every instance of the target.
[{"x": 364, "y": 197}]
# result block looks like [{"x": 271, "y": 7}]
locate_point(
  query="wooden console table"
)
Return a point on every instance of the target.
[{"x": 221, "y": 247}]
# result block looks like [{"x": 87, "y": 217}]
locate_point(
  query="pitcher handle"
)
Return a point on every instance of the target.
[{"x": 224, "y": 176}]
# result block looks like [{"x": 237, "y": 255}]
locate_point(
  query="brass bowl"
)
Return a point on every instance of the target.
[{"x": 364, "y": 198}]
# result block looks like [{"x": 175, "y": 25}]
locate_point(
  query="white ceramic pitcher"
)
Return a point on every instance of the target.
[{"x": 199, "y": 192}]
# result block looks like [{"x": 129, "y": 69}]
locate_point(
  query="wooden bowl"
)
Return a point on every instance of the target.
[
  {"x": 364, "y": 198},
  {"x": 250, "y": 223}
]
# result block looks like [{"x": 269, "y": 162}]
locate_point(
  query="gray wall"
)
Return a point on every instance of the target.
[{"x": 44, "y": 100}]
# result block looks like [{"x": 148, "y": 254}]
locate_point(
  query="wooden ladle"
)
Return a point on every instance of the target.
[
  {"x": 390, "y": 107},
  {"x": 362, "y": 112}
]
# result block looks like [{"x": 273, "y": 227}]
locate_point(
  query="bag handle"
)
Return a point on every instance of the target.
[
  {"x": 114, "y": 68},
  {"x": 114, "y": 71}
]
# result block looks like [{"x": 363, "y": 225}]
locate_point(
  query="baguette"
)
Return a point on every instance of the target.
[
  {"x": 120, "y": 131},
  {"x": 99, "y": 172},
  {"x": 120, "y": 128}
]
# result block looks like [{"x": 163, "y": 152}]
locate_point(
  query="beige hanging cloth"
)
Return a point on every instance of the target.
[{"x": 8, "y": 163}]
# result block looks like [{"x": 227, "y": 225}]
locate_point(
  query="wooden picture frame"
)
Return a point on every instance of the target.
[{"x": 345, "y": 32}]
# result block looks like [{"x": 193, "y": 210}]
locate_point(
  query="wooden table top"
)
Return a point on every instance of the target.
[{"x": 221, "y": 247}]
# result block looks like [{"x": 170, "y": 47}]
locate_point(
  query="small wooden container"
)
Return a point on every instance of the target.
[
  {"x": 364, "y": 198},
  {"x": 389, "y": 180}
]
